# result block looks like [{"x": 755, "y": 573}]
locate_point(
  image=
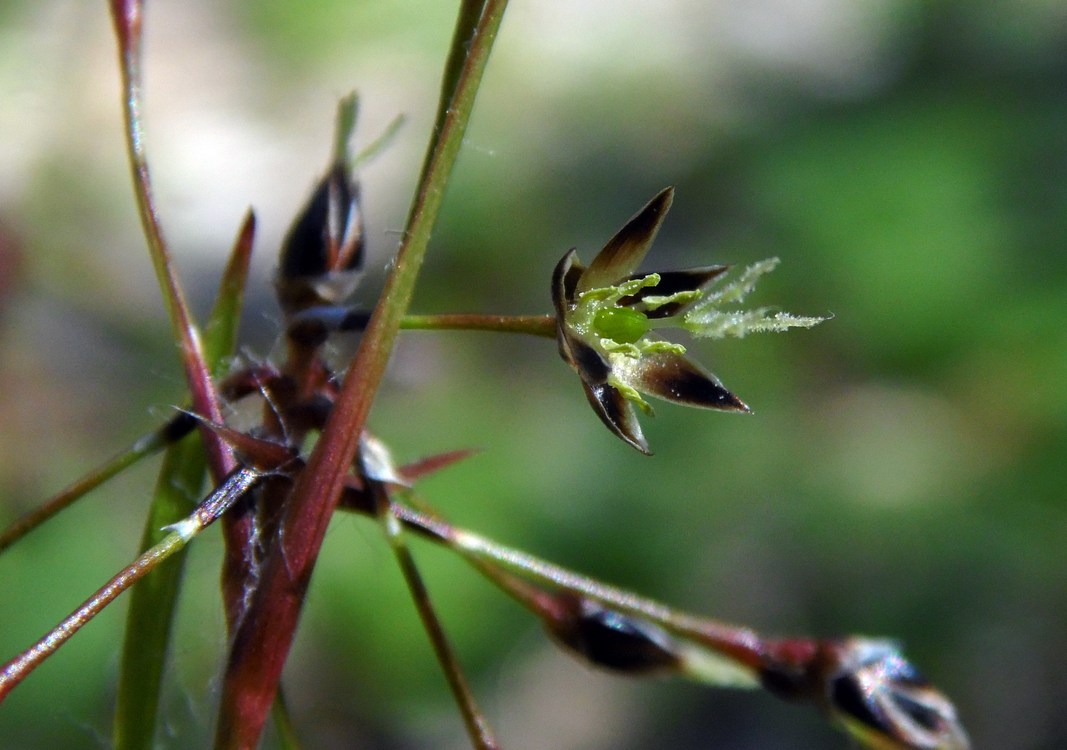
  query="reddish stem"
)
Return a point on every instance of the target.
[{"x": 262, "y": 640}]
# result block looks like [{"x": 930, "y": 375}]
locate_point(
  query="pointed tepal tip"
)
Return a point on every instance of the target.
[
  {"x": 738, "y": 405},
  {"x": 624, "y": 252},
  {"x": 643, "y": 226},
  {"x": 664, "y": 197},
  {"x": 649, "y": 218}
]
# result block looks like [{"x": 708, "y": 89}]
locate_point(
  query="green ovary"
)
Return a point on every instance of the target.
[{"x": 620, "y": 324}]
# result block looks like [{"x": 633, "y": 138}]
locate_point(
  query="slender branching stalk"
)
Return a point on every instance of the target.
[
  {"x": 276, "y": 499},
  {"x": 207, "y": 512},
  {"x": 478, "y": 729},
  {"x": 146, "y": 446},
  {"x": 128, "y": 18},
  {"x": 534, "y": 325}
]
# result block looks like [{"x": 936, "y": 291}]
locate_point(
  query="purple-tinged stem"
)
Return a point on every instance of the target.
[
  {"x": 213, "y": 506},
  {"x": 477, "y": 728},
  {"x": 262, "y": 641},
  {"x": 128, "y": 17},
  {"x": 534, "y": 325},
  {"x": 145, "y": 446}
]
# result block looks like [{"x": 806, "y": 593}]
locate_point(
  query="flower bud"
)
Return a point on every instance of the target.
[
  {"x": 869, "y": 688},
  {"x": 612, "y": 640},
  {"x": 323, "y": 251},
  {"x": 883, "y": 700}
]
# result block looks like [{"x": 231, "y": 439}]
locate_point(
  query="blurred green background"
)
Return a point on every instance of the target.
[{"x": 902, "y": 474}]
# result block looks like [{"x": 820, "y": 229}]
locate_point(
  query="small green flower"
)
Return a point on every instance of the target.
[{"x": 605, "y": 315}]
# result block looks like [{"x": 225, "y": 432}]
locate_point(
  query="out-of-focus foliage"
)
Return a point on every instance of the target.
[{"x": 902, "y": 474}]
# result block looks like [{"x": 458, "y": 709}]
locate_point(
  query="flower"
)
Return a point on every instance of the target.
[{"x": 605, "y": 312}]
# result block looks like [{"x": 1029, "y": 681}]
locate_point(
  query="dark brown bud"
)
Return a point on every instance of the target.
[
  {"x": 616, "y": 641},
  {"x": 869, "y": 688},
  {"x": 884, "y": 700},
  {"x": 323, "y": 251}
]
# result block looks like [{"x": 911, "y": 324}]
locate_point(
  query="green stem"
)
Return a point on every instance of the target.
[
  {"x": 477, "y": 728},
  {"x": 283, "y": 723},
  {"x": 150, "y": 616},
  {"x": 534, "y": 325},
  {"x": 145, "y": 446},
  {"x": 738, "y": 644}
]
